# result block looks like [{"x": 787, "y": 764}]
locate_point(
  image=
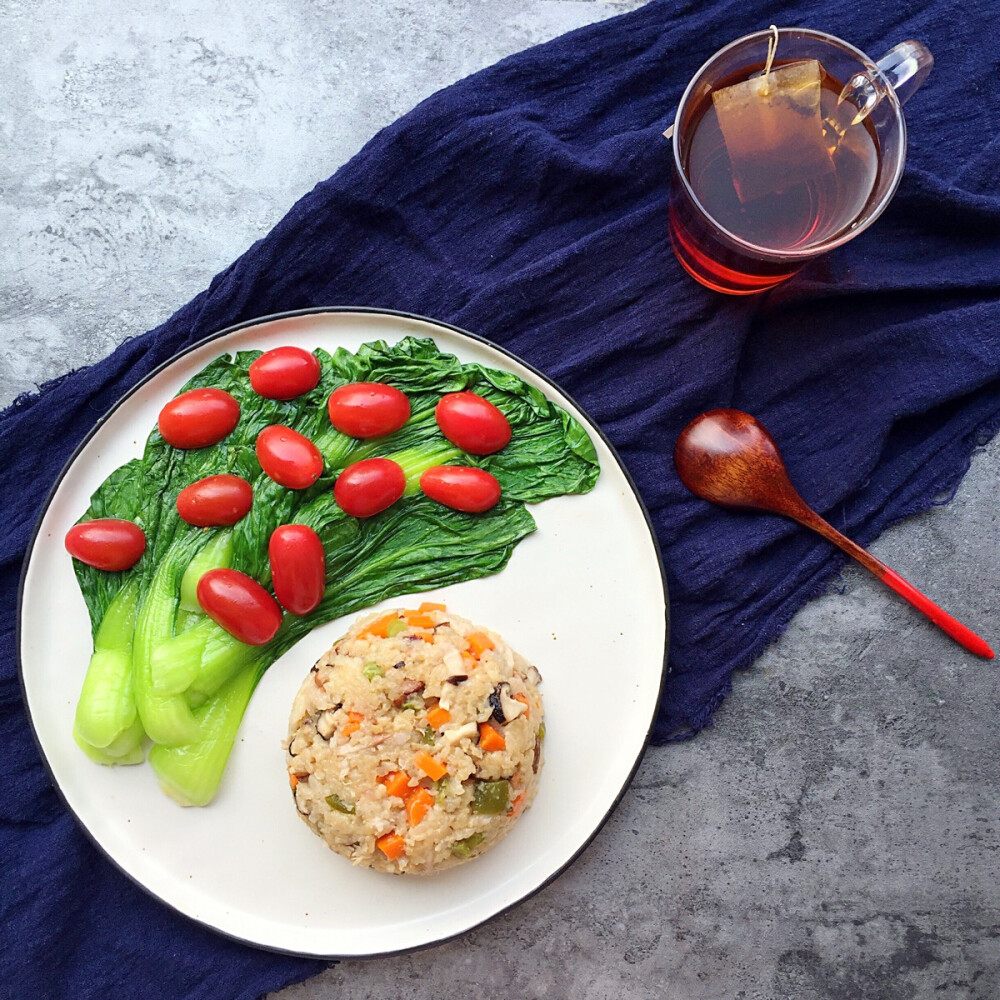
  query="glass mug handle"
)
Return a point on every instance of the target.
[{"x": 904, "y": 68}]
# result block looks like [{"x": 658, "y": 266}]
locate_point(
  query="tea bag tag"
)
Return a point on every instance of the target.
[{"x": 772, "y": 127}]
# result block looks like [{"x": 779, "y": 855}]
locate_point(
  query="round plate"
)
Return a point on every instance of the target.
[{"x": 583, "y": 598}]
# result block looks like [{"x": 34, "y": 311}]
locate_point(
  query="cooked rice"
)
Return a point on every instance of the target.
[{"x": 359, "y": 733}]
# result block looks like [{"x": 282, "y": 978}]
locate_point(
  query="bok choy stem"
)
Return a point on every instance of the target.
[
  {"x": 190, "y": 774},
  {"x": 197, "y": 662},
  {"x": 106, "y": 725},
  {"x": 166, "y": 718},
  {"x": 215, "y": 554}
]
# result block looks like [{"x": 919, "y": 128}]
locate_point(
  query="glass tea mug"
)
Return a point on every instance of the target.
[{"x": 725, "y": 261}]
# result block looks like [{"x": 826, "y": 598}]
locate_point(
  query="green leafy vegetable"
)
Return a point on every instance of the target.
[{"x": 163, "y": 669}]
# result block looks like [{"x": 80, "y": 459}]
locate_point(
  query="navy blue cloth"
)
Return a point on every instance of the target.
[{"x": 528, "y": 203}]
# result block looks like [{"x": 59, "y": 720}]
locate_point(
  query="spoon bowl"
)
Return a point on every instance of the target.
[{"x": 728, "y": 457}]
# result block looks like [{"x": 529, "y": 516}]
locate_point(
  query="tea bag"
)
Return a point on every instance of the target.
[{"x": 773, "y": 128}]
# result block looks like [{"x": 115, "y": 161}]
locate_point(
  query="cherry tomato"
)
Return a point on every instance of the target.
[
  {"x": 284, "y": 373},
  {"x": 215, "y": 501},
  {"x": 107, "y": 543},
  {"x": 369, "y": 486},
  {"x": 461, "y": 487},
  {"x": 288, "y": 458},
  {"x": 368, "y": 409},
  {"x": 240, "y": 605},
  {"x": 198, "y": 418},
  {"x": 472, "y": 422},
  {"x": 298, "y": 567}
]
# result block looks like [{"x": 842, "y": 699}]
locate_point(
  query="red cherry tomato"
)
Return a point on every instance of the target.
[
  {"x": 107, "y": 543},
  {"x": 472, "y": 422},
  {"x": 215, "y": 501},
  {"x": 240, "y": 605},
  {"x": 288, "y": 458},
  {"x": 298, "y": 567},
  {"x": 369, "y": 486},
  {"x": 368, "y": 409},
  {"x": 461, "y": 487},
  {"x": 198, "y": 418},
  {"x": 284, "y": 373}
]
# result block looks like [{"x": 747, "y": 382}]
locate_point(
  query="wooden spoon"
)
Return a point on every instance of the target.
[{"x": 728, "y": 457}]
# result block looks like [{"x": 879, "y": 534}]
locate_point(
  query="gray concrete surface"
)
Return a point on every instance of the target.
[{"x": 835, "y": 835}]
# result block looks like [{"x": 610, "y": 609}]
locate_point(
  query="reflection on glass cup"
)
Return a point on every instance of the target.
[{"x": 755, "y": 194}]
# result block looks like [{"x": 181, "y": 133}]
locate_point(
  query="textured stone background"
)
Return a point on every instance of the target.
[{"x": 836, "y": 834}]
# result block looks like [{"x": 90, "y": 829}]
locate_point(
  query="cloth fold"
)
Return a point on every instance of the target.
[{"x": 528, "y": 204}]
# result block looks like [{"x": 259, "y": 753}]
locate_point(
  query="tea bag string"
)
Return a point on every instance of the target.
[{"x": 772, "y": 47}]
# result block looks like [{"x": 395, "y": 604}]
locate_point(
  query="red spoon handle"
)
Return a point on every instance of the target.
[
  {"x": 951, "y": 626},
  {"x": 939, "y": 616}
]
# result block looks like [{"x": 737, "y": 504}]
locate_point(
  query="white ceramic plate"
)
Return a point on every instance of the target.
[{"x": 583, "y": 598}]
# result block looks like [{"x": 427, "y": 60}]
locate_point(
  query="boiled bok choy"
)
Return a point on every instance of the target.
[{"x": 164, "y": 673}]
